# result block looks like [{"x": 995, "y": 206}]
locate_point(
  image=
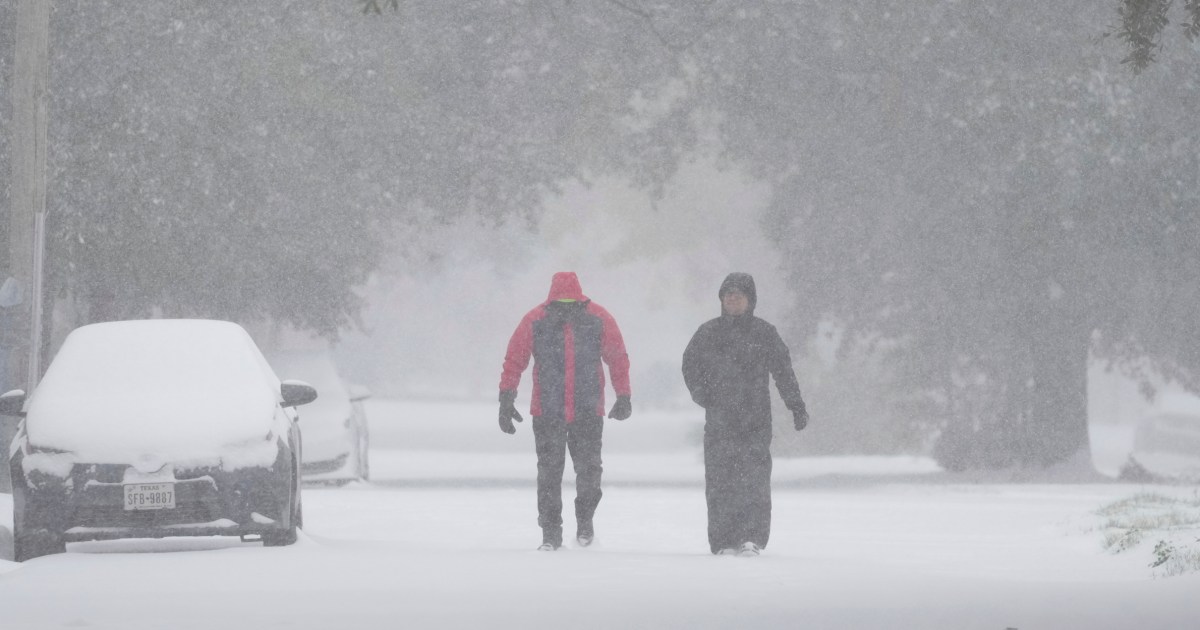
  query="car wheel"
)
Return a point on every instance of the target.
[
  {"x": 35, "y": 544},
  {"x": 284, "y": 537},
  {"x": 364, "y": 465},
  {"x": 280, "y": 538},
  {"x": 30, "y": 543},
  {"x": 298, "y": 514}
]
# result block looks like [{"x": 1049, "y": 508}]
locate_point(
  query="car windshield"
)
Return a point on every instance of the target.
[{"x": 168, "y": 388}]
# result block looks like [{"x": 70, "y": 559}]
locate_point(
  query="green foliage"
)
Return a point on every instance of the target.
[
  {"x": 1008, "y": 201},
  {"x": 963, "y": 182},
  {"x": 377, "y": 6},
  {"x": 192, "y": 150},
  {"x": 247, "y": 163},
  {"x": 1171, "y": 559},
  {"x": 931, "y": 215},
  {"x": 1191, "y": 27},
  {"x": 1142, "y": 24},
  {"x": 1163, "y": 551}
]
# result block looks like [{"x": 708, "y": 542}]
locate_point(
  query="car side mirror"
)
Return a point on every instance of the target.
[
  {"x": 296, "y": 393},
  {"x": 12, "y": 403}
]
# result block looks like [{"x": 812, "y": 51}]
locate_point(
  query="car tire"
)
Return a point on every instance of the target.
[
  {"x": 30, "y": 543},
  {"x": 35, "y": 544},
  {"x": 298, "y": 514},
  {"x": 287, "y": 536},
  {"x": 281, "y": 538},
  {"x": 362, "y": 456}
]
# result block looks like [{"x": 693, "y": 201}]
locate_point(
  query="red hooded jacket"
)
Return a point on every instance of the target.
[{"x": 568, "y": 341}]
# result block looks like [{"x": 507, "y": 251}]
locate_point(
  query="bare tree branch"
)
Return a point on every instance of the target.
[
  {"x": 652, "y": 24},
  {"x": 634, "y": 10}
]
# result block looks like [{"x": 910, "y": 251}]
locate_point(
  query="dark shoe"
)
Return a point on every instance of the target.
[{"x": 551, "y": 539}]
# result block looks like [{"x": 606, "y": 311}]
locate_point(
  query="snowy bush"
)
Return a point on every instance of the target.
[{"x": 1173, "y": 523}]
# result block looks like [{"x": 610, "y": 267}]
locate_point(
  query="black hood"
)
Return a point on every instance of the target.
[{"x": 743, "y": 282}]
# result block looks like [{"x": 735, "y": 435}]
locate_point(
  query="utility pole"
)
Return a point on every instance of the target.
[
  {"x": 27, "y": 195},
  {"x": 28, "y": 184}
]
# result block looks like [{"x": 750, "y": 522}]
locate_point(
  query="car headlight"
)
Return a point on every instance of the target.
[
  {"x": 255, "y": 453},
  {"x": 45, "y": 464}
]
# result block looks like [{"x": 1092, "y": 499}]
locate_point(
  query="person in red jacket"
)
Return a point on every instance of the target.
[{"x": 569, "y": 337}]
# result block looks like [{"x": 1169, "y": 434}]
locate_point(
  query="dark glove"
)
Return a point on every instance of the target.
[
  {"x": 508, "y": 412},
  {"x": 800, "y": 417},
  {"x": 621, "y": 409}
]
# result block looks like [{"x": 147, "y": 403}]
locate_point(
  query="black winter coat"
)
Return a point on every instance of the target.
[{"x": 726, "y": 365}]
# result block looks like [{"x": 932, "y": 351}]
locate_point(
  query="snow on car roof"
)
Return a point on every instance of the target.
[{"x": 171, "y": 389}]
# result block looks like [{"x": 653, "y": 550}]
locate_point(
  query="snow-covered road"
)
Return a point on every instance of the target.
[{"x": 454, "y": 547}]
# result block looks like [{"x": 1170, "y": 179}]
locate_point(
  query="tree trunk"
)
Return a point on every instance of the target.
[
  {"x": 1054, "y": 427},
  {"x": 1034, "y": 413}
]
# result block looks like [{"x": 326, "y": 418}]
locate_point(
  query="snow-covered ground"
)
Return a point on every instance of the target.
[{"x": 445, "y": 535}]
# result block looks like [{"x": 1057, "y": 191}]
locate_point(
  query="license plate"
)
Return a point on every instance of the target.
[{"x": 149, "y": 496}]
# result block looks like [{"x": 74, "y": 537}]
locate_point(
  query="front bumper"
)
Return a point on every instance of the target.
[{"x": 89, "y": 504}]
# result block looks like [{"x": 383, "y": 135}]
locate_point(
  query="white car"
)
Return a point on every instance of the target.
[
  {"x": 1168, "y": 444},
  {"x": 334, "y": 427},
  {"x": 156, "y": 428}
]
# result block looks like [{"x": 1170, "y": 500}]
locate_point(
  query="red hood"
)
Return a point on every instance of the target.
[{"x": 565, "y": 286}]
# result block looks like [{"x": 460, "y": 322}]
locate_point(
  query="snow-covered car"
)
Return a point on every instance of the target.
[
  {"x": 336, "y": 435},
  {"x": 1168, "y": 444},
  {"x": 153, "y": 429}
]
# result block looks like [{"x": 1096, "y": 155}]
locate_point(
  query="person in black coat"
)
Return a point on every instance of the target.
[{"x": 726, "y": 367}]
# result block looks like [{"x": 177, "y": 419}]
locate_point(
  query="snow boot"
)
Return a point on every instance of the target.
[
  {"x": 749, "y": 550},
  {"x": 585, "y": 533},
  {"x": 551, "y": 539}
]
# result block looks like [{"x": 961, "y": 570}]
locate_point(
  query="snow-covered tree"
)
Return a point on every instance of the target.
[
  {"x": 248, "y": 161},
  {"x": 970, "y": 182},
  {"x": 1015, "y": 212}
]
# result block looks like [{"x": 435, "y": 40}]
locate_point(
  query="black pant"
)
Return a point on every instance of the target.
[
  {"x": 553, "y": 438},
  {"x": 737, "y": 486}
]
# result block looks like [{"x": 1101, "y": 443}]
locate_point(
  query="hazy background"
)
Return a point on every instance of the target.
[
  {"x": 443, "y": 329},
  {"x": 958, "y": 214}
]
